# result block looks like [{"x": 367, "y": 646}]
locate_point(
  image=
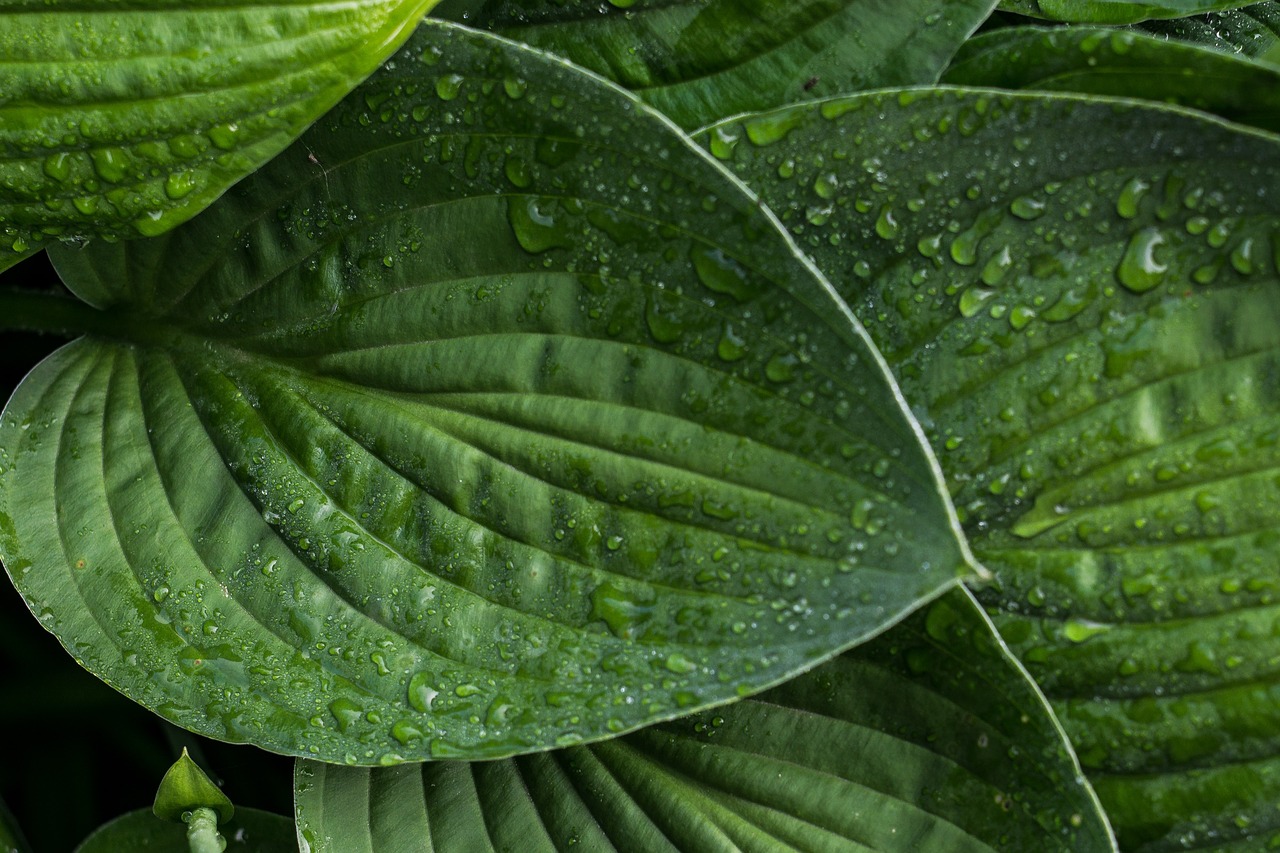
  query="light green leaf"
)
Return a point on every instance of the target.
[
  {"x": 1114, "y": 11},
  {"x": 250, "y": 831},
  {"x": 928, "y": 737},
  {"x": 125, "y": 119},
  {"x": 520, "y": 424},
  {"x": 1253, "y": 31},
  {"x": 701, "y": 60},
  {"x": 185, "y": 788},
  {"x": 1101, "y": 61},
  {"x": 1091, "y": 337}
]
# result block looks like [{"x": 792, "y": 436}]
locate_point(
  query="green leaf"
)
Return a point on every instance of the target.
[
  {"x": 701, "y": 60},
  {"x": 250, "y": 831},
  {"x": 11, "y": 838},
  {"x": 928, "y": 737},
  {"x": 519, "y": 425},
  {"x": 1091, "y": 336},
  {"x": 119, "y": 120},
  {"x": 1253, "y": 31},
  {"x": 185, "y": 788},
  {"x": 1101, "y": 61},
  {"x": 1114, "y": 11}
]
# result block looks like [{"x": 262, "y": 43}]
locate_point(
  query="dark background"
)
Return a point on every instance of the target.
[{"x": 74, "y": 752}]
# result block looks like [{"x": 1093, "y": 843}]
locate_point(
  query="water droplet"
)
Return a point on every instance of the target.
[
  {"x": 180, "y": 184},
  {"x": 58, "y": 166},
  {"x": 723, "y": 140},
  {"x": 678, "y": 663},
  {"x": 1079, "y": 630},
  {"x": 624, "y": 611},
  {"x": 110, "y": 163},
  {"x": 1025, "y": 207},
  {"x": 997, "y": 267},
  {"x": 972, "y": 299},
  {"x": 422, "y": 692},
  {"x": 346, "y": 712},
  {"x": 515, "y": 87},
  {"x": 720, "y": 273},
  {"x": 1140, "y": 270},
  {"x": 886, "y": 224},
  {"x": 1131, "y": 197},
  {"x": 536, "y": 226},
  {"x": 225, "y": 136},
  {"x": 449, "y": 86}
]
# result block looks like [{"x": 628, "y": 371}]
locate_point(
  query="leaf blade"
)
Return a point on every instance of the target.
[
  {"x": 127, "y": 121},
  {"x": 677, "y": 57},
  {"x": 1121, "y": 64},
  {"x": 1048, "y": 356},
  {"x": 536, "y": 482},
  {"x": 833, "y": 760}
]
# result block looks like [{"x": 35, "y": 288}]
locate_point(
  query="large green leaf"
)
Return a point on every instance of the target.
[
  {"x": 1114, "y": 11},
  {"x": 1253, "y": 31},
  {"x": 927, "y": 738},
  {"x": 120, "y": 119},
  {"x": 1091, "y": 337},
  {"x": 520, "y": 424},
  {"x": 1102, "y": 61},
  {"x": 701, "y": 60},
  {"x": 250, "y": 831}
]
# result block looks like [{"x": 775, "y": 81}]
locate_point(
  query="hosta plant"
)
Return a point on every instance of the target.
[{"x": 823, "y": 425}]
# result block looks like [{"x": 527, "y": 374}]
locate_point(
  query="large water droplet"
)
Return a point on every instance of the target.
[{"x": 1140, "y": 269}]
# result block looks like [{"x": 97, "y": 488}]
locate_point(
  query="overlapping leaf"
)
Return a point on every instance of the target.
[
  {"x": 1091, "y": 334},
  {"x": 1115, "y": 11},
  {"x": 515, "y": 422},
  {"x": 1102, "y": 61},
  {"x": 1251, "y": 31},
  {"x": 125, "y": 119},
  {"x": 927, "y": 738},
  {"x": 700, "y": 61}
]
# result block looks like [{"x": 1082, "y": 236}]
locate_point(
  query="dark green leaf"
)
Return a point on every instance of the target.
[
  {"x": 126, "y": 119},
  {"x": 927, "y": 738},
  {"x": 1253, "y": 31},
  {"x": 185, "y": 788},
  {"x": 701, "y": 60},
  {"x": 250, "y": 831},
  {"x": 11, "y": 839},
  {"x": 1101, "y": 61},
  {"x": 1114, "y": 11},
  {"x": 520, "y": 424},
  {"x": 1091, "y": 336}
]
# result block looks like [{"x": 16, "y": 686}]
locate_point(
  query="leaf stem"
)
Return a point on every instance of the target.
[
  {"x": 37, "y": 311},
  {"x": 202, "y": 832}
]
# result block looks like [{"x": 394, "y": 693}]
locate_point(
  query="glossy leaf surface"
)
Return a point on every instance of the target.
[
  {"x": 515, "y": 423},
  {"x": 699, "y": 61},
  {"x": 126, "y": 119},
  {"x": 1102, "y": 61},
  {"x": 1090, "y": 335},
  {"x": 928, "y": 737},
  {"x": 1114, "y": 11},
  {"x": 250, "y": 831},
  {"x": 1253, "y": 31}
]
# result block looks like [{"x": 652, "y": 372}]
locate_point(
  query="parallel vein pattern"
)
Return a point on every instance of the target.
[
  {"x": 926, "y": 738},
  {"x": 700, "y": 61},
  {"x": 125, "y": 119},
  {"x": 1091, "y": 340},
  {"x": 553, "y": 436}
]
